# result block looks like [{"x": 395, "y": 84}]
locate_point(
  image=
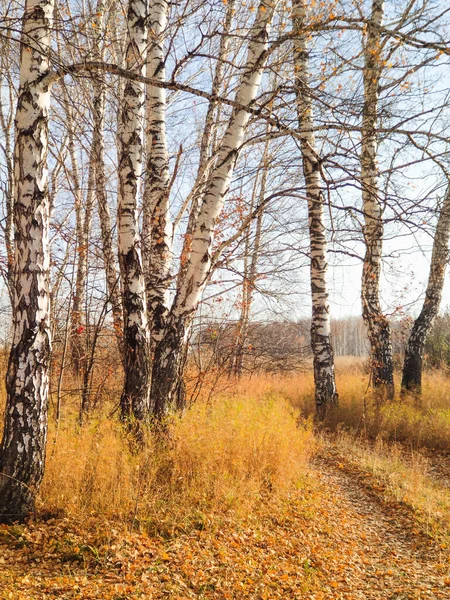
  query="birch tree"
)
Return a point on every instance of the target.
[
  {"x": 135, "y": 396},
  {"x": 95, "y": 194},
  {"x": 83, "y": 214},
  {"x": 379, "y": 333},
  {"x": 324, "y": 379},
  {"x": 97, "y": 160},
  {"x": 412, "y": 366},
  {"x": 157, "y": 225},
  {"x": 22, "y": 450},
  {"x": 158, "y": 229},
  {"x": 170, "y": 353},
  {"x": 7, "y": 104}
]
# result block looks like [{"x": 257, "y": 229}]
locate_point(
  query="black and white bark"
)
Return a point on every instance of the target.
[
  {"x": 207, "y": 146},
  {"x": 158, "y": 231},
  {"x": 324, "y": 377},
  {"x": 22, "y": 450},
  {"x": 106, "y": 228},
  {"x": 412, "y": 367},
  {"x": 157, "y": 235},
  {"x": 171, "y": 352},
  {"x": 379, "y": 332},
  {"x": 207, "y": 143},
  {"x": 7, "y": 187},
  {"x": 135, "y": 396}
]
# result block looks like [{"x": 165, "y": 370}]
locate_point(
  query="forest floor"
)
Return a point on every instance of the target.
[{"x": 339, "y": 536}]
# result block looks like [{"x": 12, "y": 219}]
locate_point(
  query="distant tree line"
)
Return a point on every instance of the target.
[{"x": 276, "y": 346}]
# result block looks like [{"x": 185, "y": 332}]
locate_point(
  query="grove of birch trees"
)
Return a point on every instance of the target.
[{"x": 162, "y": 162}]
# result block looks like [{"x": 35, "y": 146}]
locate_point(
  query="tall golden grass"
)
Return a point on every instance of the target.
[
  {"x": 224, "y": 455},
  {"x": 419, "y": 422},
  {"x": 386, "y": 440},
  {"x": 221, "y": 457}
]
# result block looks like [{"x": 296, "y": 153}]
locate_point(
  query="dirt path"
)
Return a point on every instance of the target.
[
  {"x": 384, "y": 555},
  {"x": 333, "y": 539}
]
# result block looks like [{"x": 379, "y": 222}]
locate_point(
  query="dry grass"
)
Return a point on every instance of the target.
[
  {"x": 407, "y": 477},
  {"x": 222, "y": 457},
  {"x": 404, "y": 420},
  {"x": 385, "y": 442},
  {"x": 225, "y": 456}
]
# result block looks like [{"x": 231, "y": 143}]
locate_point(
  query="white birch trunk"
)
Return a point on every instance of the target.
[
  {"x": 412, "y": 367},
  {"x": 157, "y": 224},
  {"x": 379, "y": 332},
  {"x": 324, "y": 378},
  {"x": 171, "y": 352},
  {"x": 6, "y": 122},
  {"x": 22, "y": 451},
  {"x": 207, "y": 147},
  {"x": 79, "y": 350},
  {"x": 135, "y": 396},
  {"x": 248, "y": 288}
]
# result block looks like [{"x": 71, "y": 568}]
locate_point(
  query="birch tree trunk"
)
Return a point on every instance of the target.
[
  {"x": 106, "y": 230},
  {"x": 171, "y": 352},
  {"x": 158, "y": 231},
  {"x": 6, "y": 124},
  {"x": 248, "y": 288},
  {"x": 96, "y": 190},
  {"x": 22, "y": 451},
  {"x": 207, "y": 145},
  {"x": 157, "y": 224},
  {"x": 135, "y": 396},
  {"x": 324, "y": 378},
  {"x": 379, "y": 331},
  {"x": 412, "y": 367}
]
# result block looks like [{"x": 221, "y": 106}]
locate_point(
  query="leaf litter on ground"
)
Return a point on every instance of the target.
[{"x": 335, "y": 537}]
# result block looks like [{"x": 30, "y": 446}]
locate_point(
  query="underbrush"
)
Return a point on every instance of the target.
[
  {"x": 402, "y": 444},
  {"x": 405, "y": 476},
  {"x": 221, "y": 457},
  {"x": 417, "y": 424},
  {"x": 232, "y": 450},
  {"x": 399, "y": 443}
]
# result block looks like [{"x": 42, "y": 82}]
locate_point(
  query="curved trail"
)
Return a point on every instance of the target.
[{"x": 383, "y": 553}]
